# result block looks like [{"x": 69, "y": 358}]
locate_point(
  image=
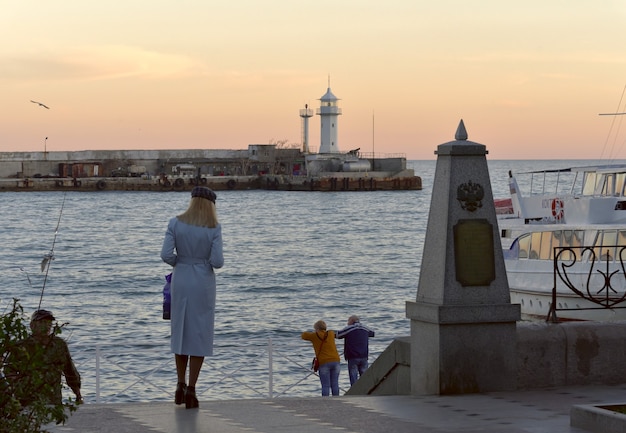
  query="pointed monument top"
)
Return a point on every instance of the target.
[
  {"x": 461, "y": 133},
  {"x": 461, "y": 145}
]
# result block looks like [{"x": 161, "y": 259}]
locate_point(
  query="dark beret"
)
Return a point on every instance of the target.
[{"x": 203, "y": 192}]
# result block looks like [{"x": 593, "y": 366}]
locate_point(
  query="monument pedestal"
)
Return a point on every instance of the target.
[{"x": 462, "y": 349}]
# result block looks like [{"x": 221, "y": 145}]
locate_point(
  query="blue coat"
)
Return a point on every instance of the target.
[
  {"x": 193, "y": 252},
  {"x": 356, "y": 340}
]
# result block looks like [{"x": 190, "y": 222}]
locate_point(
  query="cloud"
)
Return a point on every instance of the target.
[{"x": 98, "y": 63}]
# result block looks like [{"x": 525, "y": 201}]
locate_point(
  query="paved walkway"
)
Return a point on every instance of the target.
[{"x": 498, "y": 412}]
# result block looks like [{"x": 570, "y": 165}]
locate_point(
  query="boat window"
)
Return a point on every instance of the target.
[
  {"x": 620, "y": 254},
  {"x": 566, "y": 238},
  {"x": 546, "y": 246},
  {"x": 620, "y": 183},
  {"x": 577, "y": 239},
  {"x": 573, "y": 239},
  {"x": 589, "y": 185},
  {"x": 589, "y": 241},
  {"x": 607, "y": 246},
  {"x": 535, "y": 245},
  {"x": 607, "y": 184},
  {"x": 524, "y": 244},
  {"x": 559, "y": 239},
  {"x": 577, "y": 184}
]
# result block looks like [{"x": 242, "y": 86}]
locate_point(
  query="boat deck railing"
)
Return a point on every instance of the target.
[{"x": 603, "y": 285}]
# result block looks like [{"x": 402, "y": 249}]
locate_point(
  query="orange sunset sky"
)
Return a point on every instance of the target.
[{"x": 528, "y": 78}]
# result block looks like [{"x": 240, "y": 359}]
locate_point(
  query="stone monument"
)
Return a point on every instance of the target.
[{"x": 463, "y": 325}]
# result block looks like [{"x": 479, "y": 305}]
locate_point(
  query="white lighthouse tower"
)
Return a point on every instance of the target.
[{"x": 329, "y": 113}]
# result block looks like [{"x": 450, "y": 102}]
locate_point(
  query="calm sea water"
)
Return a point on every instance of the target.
[{"x": 291, "y": 258}]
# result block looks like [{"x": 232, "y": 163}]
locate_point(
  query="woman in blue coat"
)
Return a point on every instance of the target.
[{"x": 193, "y": 246}]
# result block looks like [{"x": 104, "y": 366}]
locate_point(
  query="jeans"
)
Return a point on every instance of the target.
[
  {"x": 356, "y": 367},
  {"x": 329, "y": 378}
]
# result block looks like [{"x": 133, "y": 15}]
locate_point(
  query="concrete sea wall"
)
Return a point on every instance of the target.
[{"x": 548, "y": 355}]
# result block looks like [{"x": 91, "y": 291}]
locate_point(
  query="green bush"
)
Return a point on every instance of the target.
[{"x": 24, "y": 402}]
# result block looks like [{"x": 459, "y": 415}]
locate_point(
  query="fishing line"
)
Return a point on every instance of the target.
[
  {"x": 30, "y": 284},
  {"x": 47, "y": 259}
]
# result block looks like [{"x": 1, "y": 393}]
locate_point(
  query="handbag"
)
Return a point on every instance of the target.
[
  {"x": 315, "y": 365},
  {"x": 167, "y": 297}
]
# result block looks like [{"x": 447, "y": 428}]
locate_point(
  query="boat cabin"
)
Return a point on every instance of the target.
[{"x": 541, "y": 244}]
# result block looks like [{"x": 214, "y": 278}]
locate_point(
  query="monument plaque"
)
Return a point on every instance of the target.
[{"x": 473, "y": 251}]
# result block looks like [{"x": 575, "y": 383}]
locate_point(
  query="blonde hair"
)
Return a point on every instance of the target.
[
  {"x": 320, "y": 325},
  {"x": 201, "y": 212}
]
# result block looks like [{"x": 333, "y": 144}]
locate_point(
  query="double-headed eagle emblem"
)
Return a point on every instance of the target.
[{"x": 470, "y": 195}]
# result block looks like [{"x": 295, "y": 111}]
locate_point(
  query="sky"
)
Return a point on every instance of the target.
[{"x": 529, "y": 79}]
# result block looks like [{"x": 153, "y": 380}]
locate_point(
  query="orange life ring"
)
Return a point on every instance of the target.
[{"x": 557, "y": 208}]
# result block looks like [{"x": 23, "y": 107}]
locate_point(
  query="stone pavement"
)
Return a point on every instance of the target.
[{"x": 536, "y": 411}]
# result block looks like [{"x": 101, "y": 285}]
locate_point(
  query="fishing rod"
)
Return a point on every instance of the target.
[{"x": 47, "y": 259}]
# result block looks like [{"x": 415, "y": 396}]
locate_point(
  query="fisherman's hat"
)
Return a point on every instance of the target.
[{"x": 42, "y": 315}]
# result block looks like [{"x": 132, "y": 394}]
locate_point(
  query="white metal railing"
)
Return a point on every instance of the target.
[{"x": 112, "y": 374}]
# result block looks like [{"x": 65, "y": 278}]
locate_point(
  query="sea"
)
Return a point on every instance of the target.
[{"x": 291, "y": 258}]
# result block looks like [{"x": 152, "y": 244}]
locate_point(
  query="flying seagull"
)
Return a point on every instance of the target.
[{"x": 39, "y": 103}]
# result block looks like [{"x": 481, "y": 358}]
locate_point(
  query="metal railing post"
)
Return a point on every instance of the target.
[
  {"x": 97, "y": 373},
  {"x": 270, "y": 355}
]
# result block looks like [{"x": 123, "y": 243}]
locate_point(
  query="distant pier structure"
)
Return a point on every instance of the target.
[{"x": 268, "y": 166}]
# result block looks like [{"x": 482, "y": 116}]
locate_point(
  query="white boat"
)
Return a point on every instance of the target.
[
  {"x": 588, "y": 195},
  {"x": 572, "y": 239}
]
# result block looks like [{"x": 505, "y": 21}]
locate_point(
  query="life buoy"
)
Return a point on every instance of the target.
[
  {"x": 557, "y": 208},
  {"x": 101, "y": 184},
  {"x": 167, "y": 183},
  {"x": 179, "y": 182},
  {"x": 231, "y": 183},
  {"x": 203, "y": 181}
]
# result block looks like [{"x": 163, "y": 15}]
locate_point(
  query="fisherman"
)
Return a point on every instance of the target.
[{"x": 35, "y": 366}]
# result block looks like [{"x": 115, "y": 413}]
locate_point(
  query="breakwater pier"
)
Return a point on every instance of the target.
[{"x": 258, "y": 167}]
